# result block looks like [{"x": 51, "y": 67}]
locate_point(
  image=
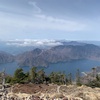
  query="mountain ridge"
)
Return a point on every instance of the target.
[
  {"x": 61, "y": 53},
  {"x": 6, "y": 57}
]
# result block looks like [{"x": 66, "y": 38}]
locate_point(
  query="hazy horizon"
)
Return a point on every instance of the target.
[{"x": 50, "y": 19}]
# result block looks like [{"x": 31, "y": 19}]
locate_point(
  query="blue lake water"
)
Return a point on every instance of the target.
[{"x": 67, "y": 67}]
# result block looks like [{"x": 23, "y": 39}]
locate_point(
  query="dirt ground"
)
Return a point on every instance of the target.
[
  {"x": 33, "y": 88},
  {"x": 71, "y": 92}
]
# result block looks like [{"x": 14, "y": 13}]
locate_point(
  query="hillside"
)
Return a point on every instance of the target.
[
  {"x": 6, "y": 57},
  {"x": 61, "y": 53}
]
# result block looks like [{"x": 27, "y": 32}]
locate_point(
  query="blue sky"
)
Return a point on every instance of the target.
[{"x": 50, "y": 19}]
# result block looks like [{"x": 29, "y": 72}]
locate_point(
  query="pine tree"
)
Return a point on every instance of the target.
[
  {"x": 70, "y": 78},
  {"x": 41, "y": 76},
  {"x": 33, "y": 74},
  {"x": 19, "y": 76},
  {"x": 78, "y": 79}
]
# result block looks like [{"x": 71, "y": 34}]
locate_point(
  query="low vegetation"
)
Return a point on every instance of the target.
[
  {"x": 92, "y": 79},
  {"x": 36, "y": 76}
]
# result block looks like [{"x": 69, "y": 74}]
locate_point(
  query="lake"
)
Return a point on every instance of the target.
[{"x": 67, "y": 67}]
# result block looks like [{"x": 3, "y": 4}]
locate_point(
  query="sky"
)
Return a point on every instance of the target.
[{"x": 50, "y": 19}]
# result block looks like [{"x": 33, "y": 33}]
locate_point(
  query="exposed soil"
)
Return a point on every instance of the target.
[
  {"x": 52, "y": 92},
  {"x": 33, "y": 88}
]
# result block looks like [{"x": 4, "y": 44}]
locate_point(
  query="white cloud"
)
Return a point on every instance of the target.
[
  {"x": 30, "y": 42},
  {"x": 16, "y": 25},
  {"x": 52, "y": 23},
  {"x": 52, "y": 19},
  {"x": 11, "y": 24},
  {"x": 36, "y": 9}
]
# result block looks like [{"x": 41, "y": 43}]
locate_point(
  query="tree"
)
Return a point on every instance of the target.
[
  {"x": 95, "y": 82},
  {"x": 70, "y": 78},
  {"x": 98, "y": 77},
  {"x": 33, "y": 74},
  {"x": 64, "y": 79},
  {"x": 19, "y": 76},
  {"x": 78, "y": 78},
  {"x": 8, "y": 79},
  {"x": 58, "y": 78},
  {"x": 52, "y": 75},
  {"x": 94, "y": 72},
  {"x": 41, "y": 76}
]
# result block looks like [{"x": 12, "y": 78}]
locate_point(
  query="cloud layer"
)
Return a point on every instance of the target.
[
  {"x": 66, "y": 19},
  {"x": 30, "y": 42}
]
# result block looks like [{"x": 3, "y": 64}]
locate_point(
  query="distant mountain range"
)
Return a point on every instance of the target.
[
  {"x": 19, "y": 46},
  {"x": 61, "y": 53},
  {"x": 52, "y": 52}
]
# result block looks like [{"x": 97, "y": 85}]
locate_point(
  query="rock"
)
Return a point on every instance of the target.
[
  {"x": 76, "y": 98},
  {"x": 90, "y": 96},
  {"x": 57, "y": 95},
  {"x": 65, "y": 98}
]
